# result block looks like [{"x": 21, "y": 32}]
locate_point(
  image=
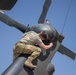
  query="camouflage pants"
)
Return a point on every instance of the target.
[{"x": 21, "y": 48}]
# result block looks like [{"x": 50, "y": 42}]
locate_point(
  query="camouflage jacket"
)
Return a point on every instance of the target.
[{"x": 31, "y": 37}]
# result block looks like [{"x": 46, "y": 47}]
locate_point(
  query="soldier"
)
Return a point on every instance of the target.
[{"x": 27, "y": 46}]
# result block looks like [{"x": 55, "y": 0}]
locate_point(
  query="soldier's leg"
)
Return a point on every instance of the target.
[
  {"x": 35, "y": 54},
  {"x": 21, "y": 48},
  {"x": 18, "y": 49}
]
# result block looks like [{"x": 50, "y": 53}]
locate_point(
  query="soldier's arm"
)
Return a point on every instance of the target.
[{"x": 45, "y": 47}]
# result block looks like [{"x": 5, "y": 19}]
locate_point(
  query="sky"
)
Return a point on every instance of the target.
[{"x": 28, "y": 12}]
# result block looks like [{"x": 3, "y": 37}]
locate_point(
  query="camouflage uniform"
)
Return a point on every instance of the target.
[{"x": 26, "y": 46}]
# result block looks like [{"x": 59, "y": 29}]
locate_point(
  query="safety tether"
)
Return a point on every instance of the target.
[{"x": 66, "y": 17}]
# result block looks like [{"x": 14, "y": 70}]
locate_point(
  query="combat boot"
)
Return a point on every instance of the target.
[
  {"x": 28, "y": 63},
  {"x": 33, "y": 56}
]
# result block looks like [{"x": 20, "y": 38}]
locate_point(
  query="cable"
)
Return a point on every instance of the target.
[{"x": 66, "y": 17}]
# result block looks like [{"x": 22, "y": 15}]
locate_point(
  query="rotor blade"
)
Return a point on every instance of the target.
[
  {"x": 7, "y": 4},
  {"x": 63, "y": 50},
  {"x": 10, "y": 22},
  {"x": 45, "y": 10}
]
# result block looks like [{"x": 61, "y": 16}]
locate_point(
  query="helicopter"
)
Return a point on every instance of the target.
[{"x": 9, "y": 21}]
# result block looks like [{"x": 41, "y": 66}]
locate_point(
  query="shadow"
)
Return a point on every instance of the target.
[{"x": 29, "y": 71}]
